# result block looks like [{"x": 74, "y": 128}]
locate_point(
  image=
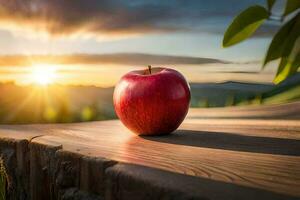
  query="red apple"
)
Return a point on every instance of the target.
[{"x": 152, "y": 101}]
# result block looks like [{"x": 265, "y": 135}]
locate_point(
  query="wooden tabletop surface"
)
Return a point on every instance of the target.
[{"x": 228, "y": 148}]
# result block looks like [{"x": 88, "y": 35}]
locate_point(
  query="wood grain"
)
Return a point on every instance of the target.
[{"x": 254, "y": 153}]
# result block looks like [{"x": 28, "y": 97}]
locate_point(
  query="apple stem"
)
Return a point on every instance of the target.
[{"x": 149, "y": 67}]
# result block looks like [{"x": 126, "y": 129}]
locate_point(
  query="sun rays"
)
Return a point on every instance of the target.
[
  {"x": 39, "y": 103},
  {"x": 43, "y": 74}
]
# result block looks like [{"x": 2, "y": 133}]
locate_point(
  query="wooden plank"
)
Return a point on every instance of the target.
[
  {"x": 268, "y": 163},
  {"x": 236, "y": 155},
  {"x": 126, "y": 181},
  {"x": 14, "y": 153},
  {"x": 19, "y": 132}
]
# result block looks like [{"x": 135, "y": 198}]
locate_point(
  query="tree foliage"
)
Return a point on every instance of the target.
[{"x": 285, "y": 45}]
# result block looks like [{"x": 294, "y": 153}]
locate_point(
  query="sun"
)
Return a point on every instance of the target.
[{"x": 43, "y": 74}]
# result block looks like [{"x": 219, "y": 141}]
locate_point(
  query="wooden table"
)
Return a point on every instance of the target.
[{"x": 216, "y": 157}]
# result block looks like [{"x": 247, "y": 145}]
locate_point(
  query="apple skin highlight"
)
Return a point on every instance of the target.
[{"x": 153, "y": 101}]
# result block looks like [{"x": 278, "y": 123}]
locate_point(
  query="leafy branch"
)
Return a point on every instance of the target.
[{"x": 285, "y": 45}]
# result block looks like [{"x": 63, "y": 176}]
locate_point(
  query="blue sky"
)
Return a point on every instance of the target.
[{"x": 186, "y": 28}]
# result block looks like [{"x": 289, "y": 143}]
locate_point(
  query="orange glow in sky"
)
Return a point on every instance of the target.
[{"x": 107, "y": 75}]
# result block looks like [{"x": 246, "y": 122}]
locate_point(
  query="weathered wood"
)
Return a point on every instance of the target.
[
  {"x": 42, "y": 180},
  {"x": 126, "y": 181},
  {"x": 256, "y": 161},
  {"x": 14, "y": 153},
  {"x": 214, "y": 158}
]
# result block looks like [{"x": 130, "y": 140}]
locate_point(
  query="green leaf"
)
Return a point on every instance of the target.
[
  {"x": 286, "y": 69},
  {"x": 282, "y": 71},
  {"x": 288, "y": 66},
  {"x": 284, "y": 40},
  {"x": 291, "y": 6},
  {"x": 244, "y": 25},
  {"x": 270, "y": 4}
]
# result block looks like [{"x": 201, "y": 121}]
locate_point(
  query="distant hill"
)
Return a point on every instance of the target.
[
  {"x": 204, "y": 94},
  {"x": 225, "y": 94},
  {"x": 30, "y": 104},
  {"x": 288, "y": 90}
]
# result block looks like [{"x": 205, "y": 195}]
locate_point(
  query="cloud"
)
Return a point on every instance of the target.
[
  {"x": 119, "y": 17},
  {"x": 117, "y": 58}
]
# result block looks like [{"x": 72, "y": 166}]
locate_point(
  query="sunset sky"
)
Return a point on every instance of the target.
[{"x": 190, "y": 29}]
